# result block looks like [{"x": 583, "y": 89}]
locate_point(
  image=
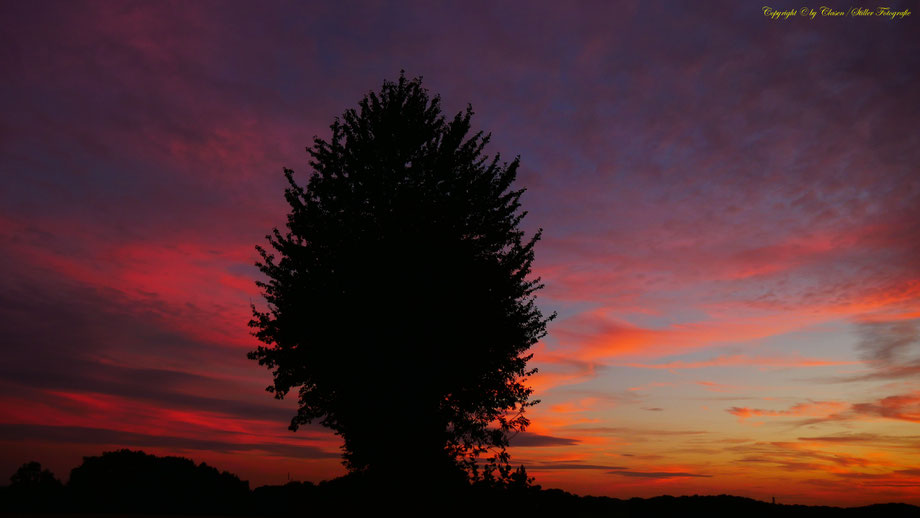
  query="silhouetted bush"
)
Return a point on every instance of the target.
[
  {"x": 34, "y": 489},
  {"x": 128, "y": 481}
]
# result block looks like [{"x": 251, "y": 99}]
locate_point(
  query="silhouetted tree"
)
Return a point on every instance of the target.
[
  {"x": 133, "y": 481},
  {"x": 520, "y": 481},
  {"x": 31, "y": 475},
  {"x": 35, "y": 489},
  {"x": 400, "y": 306}
]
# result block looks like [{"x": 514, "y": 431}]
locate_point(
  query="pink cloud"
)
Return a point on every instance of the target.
[{"x": 743, "y": 360}]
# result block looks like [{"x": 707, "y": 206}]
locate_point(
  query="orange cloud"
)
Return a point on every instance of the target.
[
  {"x": 904, "y": 407},
  {"x": 556, "y": 370},
  {"x": 598, "y": 334},
  {"x": 595, "y": 334},
  {"x": 817, "y": 408}
]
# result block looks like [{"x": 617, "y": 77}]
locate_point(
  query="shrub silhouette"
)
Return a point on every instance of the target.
[
  {"x": 35, "y": 489},
  {"x": 133, "y": 481},
  {"x": 401, "y": 306}
]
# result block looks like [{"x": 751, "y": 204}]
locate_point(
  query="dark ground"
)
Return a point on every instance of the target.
[
  {"x": 132, "y": 483},
  {"x": 338, "y": 498}
]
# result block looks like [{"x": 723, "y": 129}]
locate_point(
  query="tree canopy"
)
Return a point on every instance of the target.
[
  {"x": 400, "y": 300},
  {"x": 125, "y": 481},
  {"x": 31, "y": 476}
]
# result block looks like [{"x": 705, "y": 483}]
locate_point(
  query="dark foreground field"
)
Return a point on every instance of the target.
[
  {"x": 342, "y": 498},
  {"x": 133, "y": 483}
]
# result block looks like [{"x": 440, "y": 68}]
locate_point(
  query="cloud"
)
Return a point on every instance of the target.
[
  {"x": 634, "y": 433},
  {"x": 903, "y": 407},
  {"x": 167, "y": 388},
  {"x": 67, "y": 336},
  {"x": 530, "y": 440},
  {"x": 796, "y": 456},
  {"x": 556, "y": 370},
  {"x": 737, "y": 360},
  {"x": 868, "y": 439},
  {"x": 592, "y": 401},
  {"x": 100, "y": 436},
  {"x": 596, "y": 335},
  {"x": 890, "y": 348},
  {"x": 888, "y": 341},
  {"x": 568, "y": 465},
  {"x": 822, "y": 409},
  {"x": 660, "y": 475}
]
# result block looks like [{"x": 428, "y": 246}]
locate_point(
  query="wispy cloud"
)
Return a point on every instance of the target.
[
  {"x": 122, "y": 439},
  {"x": 660, "y": 475},
  {"x": 890, "y": 348},
  {"x": 813, "y": 408},
  {"x": 741, "y": 360},
  {"x": 903, "y": 407},
  {"x": 530, "y": 440}
]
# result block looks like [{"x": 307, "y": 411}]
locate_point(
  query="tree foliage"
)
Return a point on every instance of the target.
[
  {"x": 32, "y": 489},
  {"x": 31, "y": 476},
  {"x": 400, "y": 300},
  {"x": 126, "y": 481}
]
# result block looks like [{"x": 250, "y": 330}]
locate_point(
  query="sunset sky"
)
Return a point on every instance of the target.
[{"x": 730, "y": 205}]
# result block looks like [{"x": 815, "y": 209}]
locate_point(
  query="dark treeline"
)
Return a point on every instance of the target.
[{"x": 133, "y": 482}]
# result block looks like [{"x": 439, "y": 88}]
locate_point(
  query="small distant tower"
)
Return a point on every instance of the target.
[{"x": 774, "y": 500}]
